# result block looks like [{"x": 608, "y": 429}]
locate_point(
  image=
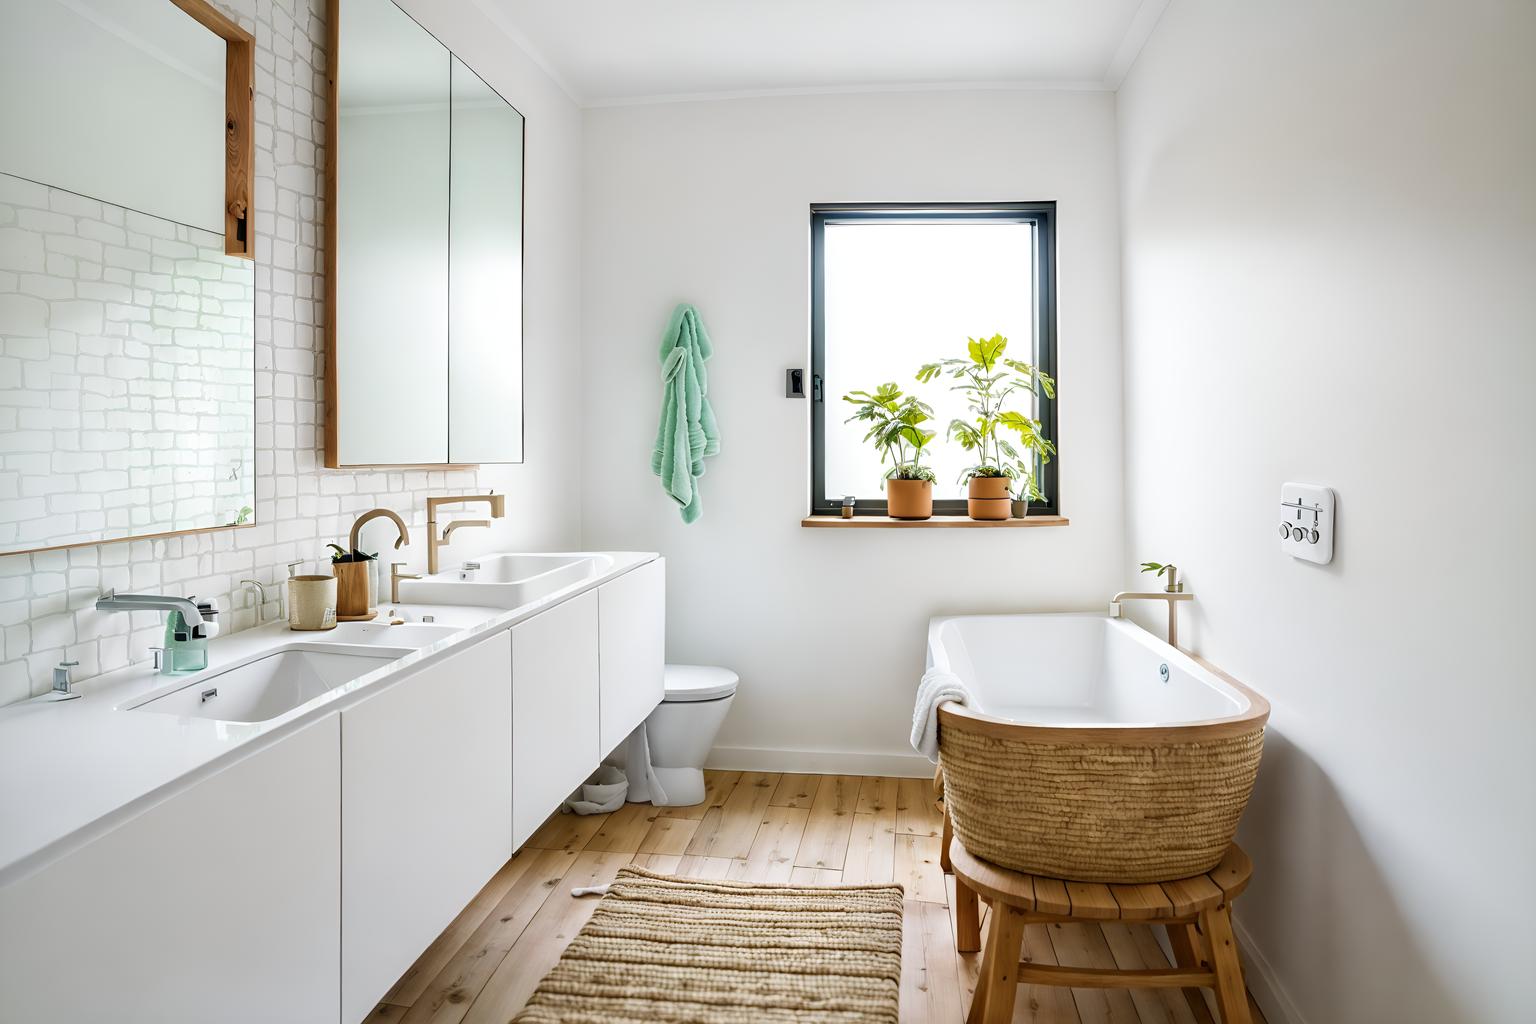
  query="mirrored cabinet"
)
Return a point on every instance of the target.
[{"x": 424, "y": 251}]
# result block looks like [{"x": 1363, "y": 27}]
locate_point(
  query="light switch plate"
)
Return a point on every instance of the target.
[{"x": 1306, "y": 522}]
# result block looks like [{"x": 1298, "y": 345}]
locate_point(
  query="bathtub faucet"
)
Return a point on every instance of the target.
[{"x": 1172, "y": 597}]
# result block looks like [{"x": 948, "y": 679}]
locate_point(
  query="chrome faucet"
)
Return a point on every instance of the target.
[
  {"x": 497, "y": 502},
  {"x": 1173, "y": 593},
  {"x": 261, "y": 599},
  {"x": 112, "y": 601},
  {"x": 193, "y": 641},
  {"x": 62, "y": 684}
]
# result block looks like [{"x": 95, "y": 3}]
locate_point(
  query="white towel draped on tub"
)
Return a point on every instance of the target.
[{"x": 936, "y": 687}]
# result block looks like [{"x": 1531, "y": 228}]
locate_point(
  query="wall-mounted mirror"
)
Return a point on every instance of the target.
[
  {"x": 127, "y": 398},
  {"x": 424, "y": 350}
]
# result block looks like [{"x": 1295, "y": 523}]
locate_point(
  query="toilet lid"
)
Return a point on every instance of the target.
[{"x": 699, "y": 682}]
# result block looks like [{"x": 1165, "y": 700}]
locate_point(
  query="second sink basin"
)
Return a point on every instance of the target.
[
  {"x": 506, "y": 581},
  {"x": 268, "y": 686}
]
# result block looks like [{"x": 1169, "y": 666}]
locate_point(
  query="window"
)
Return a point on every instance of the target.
[{"x": 894, "y": 287}]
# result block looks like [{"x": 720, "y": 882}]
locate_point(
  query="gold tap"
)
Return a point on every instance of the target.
[
  {"x": 1173, "y": 593},
  {"x": 395, "y": 576},
  {"x": 497, "y": 503},
  {"x": 378, "y": 513}
]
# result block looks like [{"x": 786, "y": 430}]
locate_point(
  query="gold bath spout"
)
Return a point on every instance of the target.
[{"x": 1173, "y": 600}]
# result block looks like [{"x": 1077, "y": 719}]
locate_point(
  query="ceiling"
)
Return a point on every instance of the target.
[{"x": 608, "y": 52}]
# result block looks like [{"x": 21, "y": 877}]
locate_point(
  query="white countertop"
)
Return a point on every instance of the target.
[{"x": 72, "y": 770}]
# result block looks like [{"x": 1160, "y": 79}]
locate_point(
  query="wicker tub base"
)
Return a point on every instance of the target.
[{"x": 1114, "y": 811}]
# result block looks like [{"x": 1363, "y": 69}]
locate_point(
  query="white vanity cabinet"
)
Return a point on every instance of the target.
[
  {"x": 219, "y": 904},
  {"x": 299, "y": 882},
  {"x": 554, "y": 709},
  {"x": 426, "y": 798},
  {"x": 632, "y": 628}
]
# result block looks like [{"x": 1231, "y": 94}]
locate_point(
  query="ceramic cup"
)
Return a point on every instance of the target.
[{"x": 312, "y": 602}]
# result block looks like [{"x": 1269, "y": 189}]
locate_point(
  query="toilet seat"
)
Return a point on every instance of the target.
[{"x": 688, "y": 683}]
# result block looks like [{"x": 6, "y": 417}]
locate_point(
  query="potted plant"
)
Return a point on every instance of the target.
[
  {"x": 988, "y": 380},
  {"x": 896, "y": 431},
  {"x": 354, "y": 602}
]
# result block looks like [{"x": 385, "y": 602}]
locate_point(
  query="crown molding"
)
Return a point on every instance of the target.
[
  {"x": 1137, "y": 32},
  {"x": 519, "y": 39},
  {"x": 1066, "y": 85}
]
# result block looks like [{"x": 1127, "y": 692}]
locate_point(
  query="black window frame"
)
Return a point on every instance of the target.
[{"x": 1043, "y": 216}]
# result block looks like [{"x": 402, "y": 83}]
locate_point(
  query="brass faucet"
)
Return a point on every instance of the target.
[
  {"x": 1173, "y": 593},
  {"x": 395, "y": 576},
  {"x": 378, "y": 513},
  {"x": 497, "y": 502}
]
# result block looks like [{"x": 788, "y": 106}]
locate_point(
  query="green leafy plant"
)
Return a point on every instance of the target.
[
  {"x": 895, "y": 429},
  {"x": 243, "y": 516},
  {"x": 1171, "y": 571},
  {"x": 341, "y": 554},
  {"x": 1007, "y": 443}
]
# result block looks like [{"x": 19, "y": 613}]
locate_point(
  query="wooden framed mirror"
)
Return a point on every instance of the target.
[{"x": 127, "y": 276}]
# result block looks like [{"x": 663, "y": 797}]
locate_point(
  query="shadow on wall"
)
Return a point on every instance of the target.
[{"x": 1310, "y": 860}]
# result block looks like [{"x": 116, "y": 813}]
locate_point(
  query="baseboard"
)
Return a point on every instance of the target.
[
  {"x": 820, "y": 762},
  {"x": 1263, "y": 983}
]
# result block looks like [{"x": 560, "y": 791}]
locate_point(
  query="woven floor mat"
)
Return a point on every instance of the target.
[{"x": 666, "y": 950}]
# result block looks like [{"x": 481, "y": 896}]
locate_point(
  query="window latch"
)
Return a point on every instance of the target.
[{"x": 816, "y": 387}]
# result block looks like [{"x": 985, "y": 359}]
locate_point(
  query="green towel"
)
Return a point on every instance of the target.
[{"x": 688, "y": 432}]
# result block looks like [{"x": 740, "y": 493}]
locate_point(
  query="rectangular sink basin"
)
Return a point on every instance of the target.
[
  {"x": 269, "y": 686},
  {"x": 506, "y": 581}
]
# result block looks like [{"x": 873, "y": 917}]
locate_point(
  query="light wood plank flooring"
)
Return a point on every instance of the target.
[{"x": 817, "y": 829}]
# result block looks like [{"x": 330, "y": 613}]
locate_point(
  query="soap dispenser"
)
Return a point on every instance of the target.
[{"x": 186, "y": 647}]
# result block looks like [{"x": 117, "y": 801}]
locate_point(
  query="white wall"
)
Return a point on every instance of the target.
[
  {"x": 1330, "y": 248},
  {"x": 709, "y": 203},
  {"x": 47, "y": 599}
]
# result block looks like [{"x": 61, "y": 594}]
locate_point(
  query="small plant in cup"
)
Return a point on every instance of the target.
[
  {"x": 988, "y": 380},
  {"x": 341, "y": 554},
  {"x": 896, "y": 431},
  {"x": 1171, "y": 571}
]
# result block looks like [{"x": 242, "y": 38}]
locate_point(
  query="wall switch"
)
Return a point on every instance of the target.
[{"x": 1306, "y": 522}]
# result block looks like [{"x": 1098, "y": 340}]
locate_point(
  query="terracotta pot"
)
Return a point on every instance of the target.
[
  {"x": 987, "y": 498},
  {"x": 909, "y": 499}
]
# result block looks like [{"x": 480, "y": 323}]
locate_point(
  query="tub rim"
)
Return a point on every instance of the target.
[{"x": 1241, "y": 724}]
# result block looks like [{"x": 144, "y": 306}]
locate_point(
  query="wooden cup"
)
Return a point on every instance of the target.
[{"x": 352, "y": 591}]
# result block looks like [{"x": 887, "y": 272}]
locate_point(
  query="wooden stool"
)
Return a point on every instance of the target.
[{"x": 1196, "y": 911}]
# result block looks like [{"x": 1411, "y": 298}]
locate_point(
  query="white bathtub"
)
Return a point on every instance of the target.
[
  {"x": 1080, "y": 670},
  {"x": 1091, "y": 749}
]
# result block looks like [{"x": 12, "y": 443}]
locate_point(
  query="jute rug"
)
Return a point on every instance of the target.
[{"x": 666, "y": 950}]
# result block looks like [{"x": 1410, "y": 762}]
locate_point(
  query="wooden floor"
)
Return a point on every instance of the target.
[{"x": 766, "y": 827}]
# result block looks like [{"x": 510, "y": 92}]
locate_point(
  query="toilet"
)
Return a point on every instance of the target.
[{"x": 682, "y": 729}]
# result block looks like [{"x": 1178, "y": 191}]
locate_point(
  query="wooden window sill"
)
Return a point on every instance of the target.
[{"x": 936, "y": 523}]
